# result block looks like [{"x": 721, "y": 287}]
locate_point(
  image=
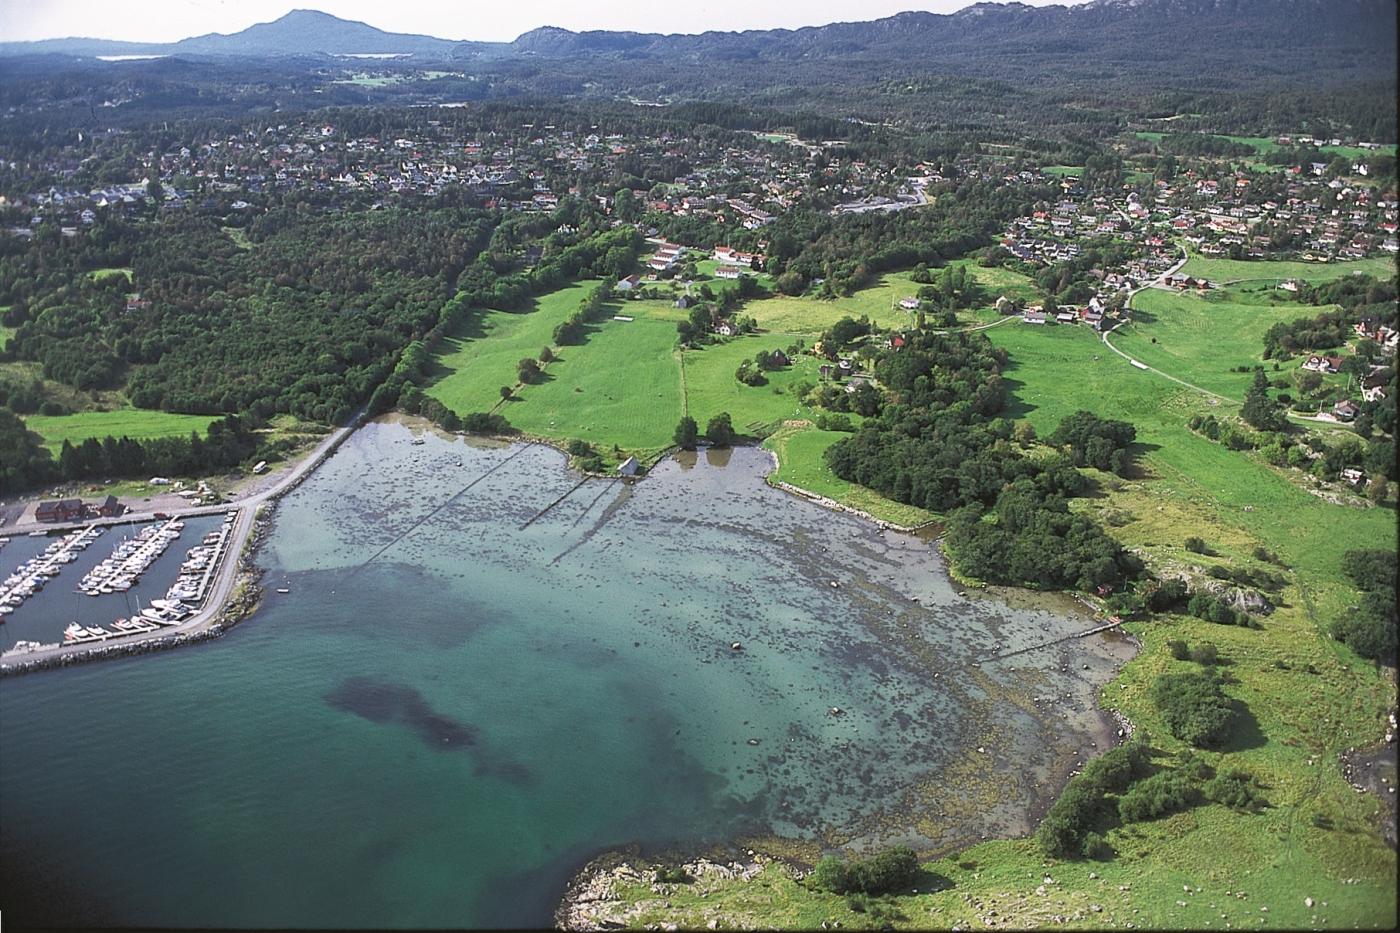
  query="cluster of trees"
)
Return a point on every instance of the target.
[
  {"x": 1068, "y": 829},
  {"x": 848, "y": 251},
  {"x": 1260, "y": 411},
  {"x": 952, "y": 289},
  {"x": 26, "y": 463},
  {"x": 719, "y": 430},
  {"x": 1359, "y": 297},
  {"x": 1370, "y": 629},
  {"x": 1202, "y": 652},
  {"x": 1163, "y": 793},
  {"x": 938, "y": 444},
  {"x": 1097, "y": 442},
  {"x": 307, "y": 320},
  {"x": 1202, "y": 144},
  {"x": 886, "y": 872},
  {"x": 1194, "y": 707},
  {"x": 844, "y": 334},
  {"x": 593, "y": 308},
  {"x": 1281, "y": 444},
  {"x": 1214, "y": 609},
  {"x": 24, "y": 460},
  {"x": 751, "y": 372},
  {"x": 1123, "y": 786},
  {"x": 687, "y": 433}
]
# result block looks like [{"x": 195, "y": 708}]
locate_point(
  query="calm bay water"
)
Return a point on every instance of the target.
[{"x": 460, "y": 700}]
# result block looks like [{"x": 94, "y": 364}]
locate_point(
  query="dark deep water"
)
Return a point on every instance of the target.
[{"x": 452, "y": 710}]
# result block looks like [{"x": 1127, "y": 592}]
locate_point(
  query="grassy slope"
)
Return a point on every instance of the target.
[
  {"x": 135, "y": 423},
  {"x": 100, "y": 274},
  {"x": 5, "y": 333},
  {"x": 621, "y": 387},
  {"x": 1264, "y": 144},
  {"x": 1231, "y": 270},
  {"x": 1200, "y": 340},
  {"x": 880, "y": 302},
  {"x": 471, "y": 368}
]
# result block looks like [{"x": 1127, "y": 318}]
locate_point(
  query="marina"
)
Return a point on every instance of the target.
[
  {"x": 32, "y": 574},
  {"x": 130, "y": 559},
  {"x": 181, "y": 600},
  {"x": 98, "y": 588}
]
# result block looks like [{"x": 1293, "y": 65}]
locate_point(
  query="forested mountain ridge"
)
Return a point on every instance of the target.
[{"x": 1133, "y": 33}]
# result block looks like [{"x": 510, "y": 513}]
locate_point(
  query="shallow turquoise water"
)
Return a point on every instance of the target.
[{"x": 459, "y": 702}]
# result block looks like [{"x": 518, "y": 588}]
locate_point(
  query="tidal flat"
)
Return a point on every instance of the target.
[{"x": 487, "y": 670}]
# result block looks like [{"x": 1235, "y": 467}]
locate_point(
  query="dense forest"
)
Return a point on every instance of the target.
[{"x": 307, "y": 320}]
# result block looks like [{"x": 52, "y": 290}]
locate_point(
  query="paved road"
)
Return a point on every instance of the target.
[{"x": 227, "y": 575}]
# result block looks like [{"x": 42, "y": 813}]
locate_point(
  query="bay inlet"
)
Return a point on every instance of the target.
[{"x": 459, "y": 700}]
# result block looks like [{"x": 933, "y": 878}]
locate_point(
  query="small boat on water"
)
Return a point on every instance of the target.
[{"x": 283, "y": 589}]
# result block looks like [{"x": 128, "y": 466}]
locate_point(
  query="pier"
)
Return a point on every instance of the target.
[
  {"x": 35, "y": 572},
  {"x": 130, "y": 559},
  {"x": 1112, "y": 624},
  {"x": 540, "y": 514}
]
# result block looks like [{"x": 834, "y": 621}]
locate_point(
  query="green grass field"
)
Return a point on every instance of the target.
[
  {"x": 1237, "y": 270},
  {"x": 481, "y": 357},
  {"x": 5, "y": 333},
  {"x": 621, "y": 387},
  {"x": 711, "y": 386},
  {"x": 1055, "y": 371},
  {"x": 99, "y": 274},
  {"x": 138, "y": 424},
  {"x": 1063, "y": 170},
  {"x": 1265, "y": 144},
  {"x": 705, "y": 269},
  {"x": 1201, "y": 340},
  {"x": 238, "y": 236},
  {"x": 879, "y": 302}
]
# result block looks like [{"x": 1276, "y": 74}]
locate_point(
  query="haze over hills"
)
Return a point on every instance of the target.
[{"x": 1135, "y": 31}]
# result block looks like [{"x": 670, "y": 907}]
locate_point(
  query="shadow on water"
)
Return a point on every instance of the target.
[{"x": 384, "y": 703}]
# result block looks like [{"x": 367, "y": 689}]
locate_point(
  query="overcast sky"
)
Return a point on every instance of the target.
[{"x": 168, "y": 20}]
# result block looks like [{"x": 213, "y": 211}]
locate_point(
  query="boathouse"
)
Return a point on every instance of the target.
[{"x": 59, "y": 510}]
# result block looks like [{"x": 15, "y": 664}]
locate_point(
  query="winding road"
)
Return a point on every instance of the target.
[{"x": 1160, "y": 282}]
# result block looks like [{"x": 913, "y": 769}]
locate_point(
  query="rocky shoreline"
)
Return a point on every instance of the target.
[{"x": 592, "y": 900}]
